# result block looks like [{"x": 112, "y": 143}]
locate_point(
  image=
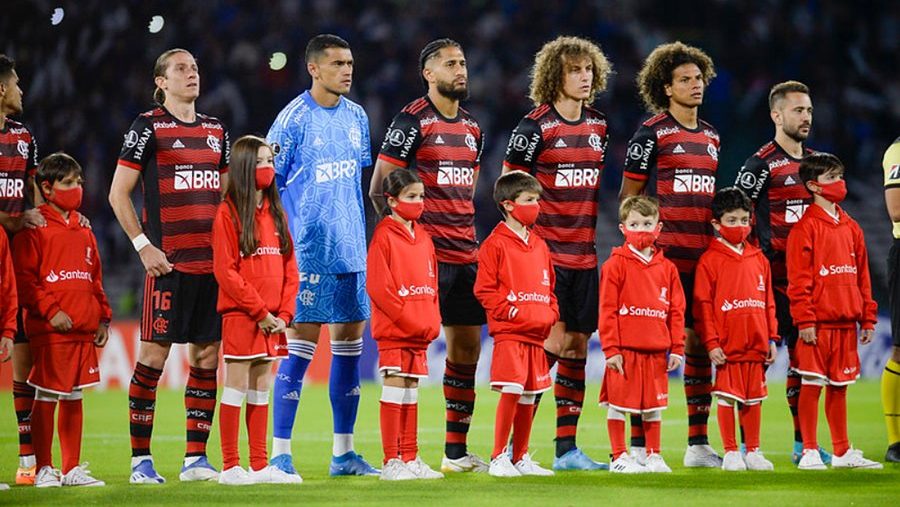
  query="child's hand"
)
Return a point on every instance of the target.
[
  {"x": 102, "y": 335},
  {"x": 268, "y": 323},
  {"x": 808, "y": 335},
  {"x": 614, "y": 363},
  {"x": 773, "y": 353},
  {"x": 717, "y": 356},
  {"x": 61, "y": 321},
  {"x": 280, "y": 326},
  {"x": 674, "y": 362},
  {"x": 6, "y": 348},
  {"x": 866, "y": 336}
]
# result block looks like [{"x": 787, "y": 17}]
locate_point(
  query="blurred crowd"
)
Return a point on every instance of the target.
[{"x": 87, "y": 77}]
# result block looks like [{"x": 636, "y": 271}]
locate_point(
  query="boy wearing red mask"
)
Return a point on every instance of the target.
[
  {"x": 66, "y": 318},
  {"x": 831, "y": 294},
  {"x": 515, "y": 286},
  {"x": 734, "y": 307},
  {"x": 641, "y": 322}
]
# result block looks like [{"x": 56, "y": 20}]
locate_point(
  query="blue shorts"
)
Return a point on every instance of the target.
[{"x": 332, "y": 298}]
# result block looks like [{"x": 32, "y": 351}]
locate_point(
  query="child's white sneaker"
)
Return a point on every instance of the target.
[
  {"x": 733, "y": 462},
  {"x": 271, "y": 474},
  {"x": 639, "y": 454},
  {"x": 235, "y": 476},
  {"x": 501, "y": 466},
  {"x": 468, "y": 463},
  {"x": 812, "y": 460},
  {"x": 701, "y": 456},
  {"x": 80, "y": 476},
  {"x": 756, "y": 461},
  {"x": 396, "y": 470},
  {"x": 421, "y": 469},
  {"x": 527, "y": 466},
  {"x": 626, "y": 464},
  {"x": 656, "y": 464},
  {"x": 853, "y": 458},
  {"x": 48, "y": 477}
]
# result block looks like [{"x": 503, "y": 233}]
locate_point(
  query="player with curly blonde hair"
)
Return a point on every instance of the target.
[
  {"x": 674, "y": 155},
  {"x": 562, "y": 142}
]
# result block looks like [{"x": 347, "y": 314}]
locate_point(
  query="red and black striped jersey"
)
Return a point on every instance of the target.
[
  {"x": 567, "y": 158},
  {"x": 771, "y": 179},
  {"x": 679, "y": 165},
  {"x": 446, "y": 153},
  {"x": 18, "y": 160},
  {"x": 180, "y": 166}
]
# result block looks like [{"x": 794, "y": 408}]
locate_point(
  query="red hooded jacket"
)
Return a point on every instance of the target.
[
  {"x": 402, "y": 283},
  {"x": 8, "y": 288},
  {"x": 515, "y": 286},
  {"x": 641, "y": 304},
  {"x": 264, "y": 282},
  {"x": 734, "y": 305},
  {"x": 58, "y": 268},
  {"x": 828, "y": 272}
]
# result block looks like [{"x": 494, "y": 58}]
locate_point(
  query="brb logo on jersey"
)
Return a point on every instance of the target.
[
  {"x": 794, "y": 210},
  {"x": 331, "y": 171},
  {"x": 12, "y": 188},
  {"x": 689, "y": 183},
  {"x": 455, "y": 176},
  {"x": 186, "y": 178},
  {"x": 574, "y": 178}
]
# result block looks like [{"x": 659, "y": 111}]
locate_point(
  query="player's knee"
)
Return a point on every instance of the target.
[
  {"x": 21, "y": 363},
  {"x": 464, "y": 353},
  {"x": 154, "y": 354},
  {"x": 205, "y": 356}
]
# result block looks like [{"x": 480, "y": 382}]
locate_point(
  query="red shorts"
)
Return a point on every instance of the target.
[
  {"x": 519, "y": 364},
  {"x": 242, "y": 339},
  {"x": 643, "y": 388},
  {"x": 832, "y": 358},
  {"x": 744, "y": 382},
  {"x": 405, "y": 362},
  {"x": 64, "y": 367}
]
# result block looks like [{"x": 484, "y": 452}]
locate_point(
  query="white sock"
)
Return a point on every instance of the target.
[
  {"x": 281, "y": 446},
  {"x": 27, "y": 461},
  {"x": 343, "y": 443},
  {"x": 190, "y": 460},
  {"x": 136, "y": 460}
]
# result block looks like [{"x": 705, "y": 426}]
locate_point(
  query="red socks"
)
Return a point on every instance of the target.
[
  {"x": 409, "y": 426},
  {"x": 506, "y": 413},
  {"x": 652, "y": 432},
  {"x": 229, "y": 426},
  {"x": 71, "y": 421},
  {"x": 616, "y": 430},
  {"x": 257, "y": 419},
  {"x": 836, "y": 413},
  {"x": 42, "y": 431},
  {"x": 522, "y": 423},
  {"x": 808, "y": 407},
  {"x": 750, "y": 420},
  {"x": 725, "y": 416},
  {"x": 399, "y": 423},
  {"x": 142, "y": 407}
]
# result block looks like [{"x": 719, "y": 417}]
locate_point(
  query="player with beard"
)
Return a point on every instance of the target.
[
  {"x": 771, "y": 179},
  {"x": 440, "y": 140},
  {"x": 674, "y": 156}
]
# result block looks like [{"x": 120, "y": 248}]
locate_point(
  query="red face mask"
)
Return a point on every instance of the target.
[
  {"x": 409, "y": 210},
  {"x": 265, "y": 174},
  {"x": 734, "y": 234},
  {"x": 834, "y": 192},
  {"x": 67, "y": 200},
  {"x": 525, "y": 214},
  {"x": 642, "y": 239}
]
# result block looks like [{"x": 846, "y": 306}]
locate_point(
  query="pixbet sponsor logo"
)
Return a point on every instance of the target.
[
  {"x": 331, "y": 171},
  {"x": 196, "y": 180},
  {"x": 737, "y": 304},
  {"x": 637, "y": 311},
  {"x": 781, "y": 162},
  {"x": 667, "y": 131},
  {"x": 63, "y": 276},
  {"x": 159, "y": 125}
]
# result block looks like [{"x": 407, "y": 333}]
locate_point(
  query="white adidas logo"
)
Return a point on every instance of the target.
[
  {"x": 293, "y": 395},
  {"x": 560, "y": 143},
  {"x": 178, "y": 144},
  {"x": 678, "y": 149},
  {"x": 789, "y": 181},
  {"x": 439, "y": 140}
]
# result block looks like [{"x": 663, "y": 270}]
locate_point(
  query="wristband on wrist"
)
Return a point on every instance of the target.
[{"x": 140, "y": 241}]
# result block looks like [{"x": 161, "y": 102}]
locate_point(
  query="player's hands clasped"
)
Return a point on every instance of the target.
[
  {"x": 155, "y": 261},
  {"x": 272, "y": 324},
  {"x": 674, "y": 362},
  {"x": 717, "y": 356},
  {"x": 61, "y": 321},
  {"x": 808, "y": 335},
  {"x": 614, "y": 363}
]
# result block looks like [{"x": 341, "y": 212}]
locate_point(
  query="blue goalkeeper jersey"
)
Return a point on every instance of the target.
[{"x": 320, "y": 153}]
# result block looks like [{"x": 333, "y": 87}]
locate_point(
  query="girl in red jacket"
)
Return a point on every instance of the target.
[
  {"x": 253, "y": 262},
  {"x": 515, "y": 286},
  {"x": 66, "y": 317},
  {"x": 402, "y": 284},
  {"x": 734, "y": 307},
  {"x": 641, "y": 322},
  {"x": 831, "y": 294}
]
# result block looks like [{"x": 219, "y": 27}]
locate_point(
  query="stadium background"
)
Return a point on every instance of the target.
[{"x": 88, "y": 76}]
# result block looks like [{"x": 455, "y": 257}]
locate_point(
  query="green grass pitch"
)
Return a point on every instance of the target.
[{"x": 106, "y": 447}]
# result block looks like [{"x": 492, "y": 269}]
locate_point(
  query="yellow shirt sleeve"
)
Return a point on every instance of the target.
[{"x": 891, "y": 164}]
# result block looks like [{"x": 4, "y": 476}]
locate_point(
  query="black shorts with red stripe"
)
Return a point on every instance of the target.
[{"x": 181, "y": 308}]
